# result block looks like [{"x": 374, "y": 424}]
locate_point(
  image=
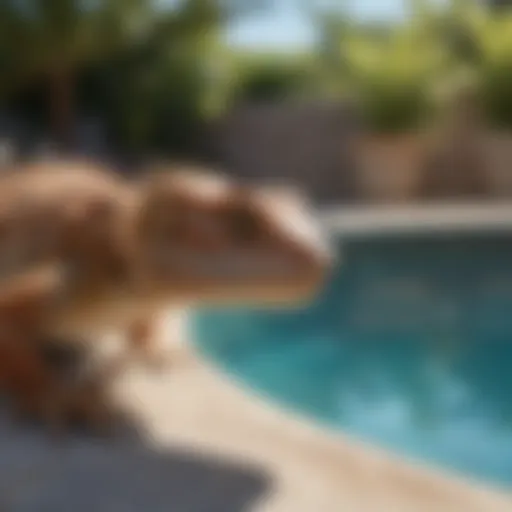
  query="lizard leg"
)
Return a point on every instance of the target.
[
  {"x": 41, "y": 376},
  {"x": 143, "y": 343}
]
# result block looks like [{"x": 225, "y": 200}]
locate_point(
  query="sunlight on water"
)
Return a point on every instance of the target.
[{"x": 408, "y": 346}]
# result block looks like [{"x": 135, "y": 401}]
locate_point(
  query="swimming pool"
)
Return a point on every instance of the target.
[{"x": 409, "y": 346}]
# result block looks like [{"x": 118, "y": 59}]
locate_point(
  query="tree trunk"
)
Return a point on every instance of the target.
[{"x": 61, "y": 105}]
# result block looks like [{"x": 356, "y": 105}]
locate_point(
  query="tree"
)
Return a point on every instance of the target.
[
  {"x": 52, "y": 40},
  {"x": 500, "y": 3},
  {"x": 332, "y": 24}
]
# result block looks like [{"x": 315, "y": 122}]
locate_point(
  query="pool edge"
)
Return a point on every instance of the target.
[{"x": 338, "y": 450}]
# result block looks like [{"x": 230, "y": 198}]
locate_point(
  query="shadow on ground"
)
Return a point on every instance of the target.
[{"x": 124, "y": 475}]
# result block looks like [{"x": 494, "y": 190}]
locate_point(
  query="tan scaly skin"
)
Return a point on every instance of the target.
[
  {"x": 110, "y": 254},
  {"x": 178, "y": 238}
]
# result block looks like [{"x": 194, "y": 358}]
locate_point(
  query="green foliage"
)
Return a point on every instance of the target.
[
  {"x": 146, "y": 58},
  {"x": 392, "y": 79},
  {"x": 495, "y": 36},
  {"x": 274, "y": 78},
  {"x": 153, "y": 95},
  {"x": 37, "y": 36},
  {"x": 154, "y": 74}
]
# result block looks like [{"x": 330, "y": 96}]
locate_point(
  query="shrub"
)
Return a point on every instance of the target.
[
  {"x": 495, "y": 36},
  {"x": 270, "y": 78},
  {"x": 392, "y": 79}
]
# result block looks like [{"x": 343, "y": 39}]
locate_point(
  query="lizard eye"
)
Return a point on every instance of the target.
[{"x": 243, "y": 225}]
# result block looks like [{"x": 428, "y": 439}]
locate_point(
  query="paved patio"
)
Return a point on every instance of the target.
[{"x": 207, "y": 445}]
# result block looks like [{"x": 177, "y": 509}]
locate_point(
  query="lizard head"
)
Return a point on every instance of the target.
[
  {"x": 184, "y": 238},
  {"x": 208, "y": 239}
]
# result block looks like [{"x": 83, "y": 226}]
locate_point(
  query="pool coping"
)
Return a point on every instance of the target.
[
  {"x": 434, "y": 487},
  {"x": 407, "y": 219},
  {"x": 198, "y": 407},
  {"x": 333, "y": 457}
]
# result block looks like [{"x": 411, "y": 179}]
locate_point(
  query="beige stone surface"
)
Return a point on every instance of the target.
[
  {"x": 213, "y": 445},
  {"x": 434, "y": 217},
  {"x": 314, "y": 470}
]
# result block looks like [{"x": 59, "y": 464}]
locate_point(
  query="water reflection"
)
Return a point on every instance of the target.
[{"x": 409, "y": 345}]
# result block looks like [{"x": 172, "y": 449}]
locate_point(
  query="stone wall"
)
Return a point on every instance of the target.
[
  {"x": 499, "y": 156},
  {"x": 311, "y": 144},
  {"x": 393, "y": 170},
  {"x": 321, "y": 147}
]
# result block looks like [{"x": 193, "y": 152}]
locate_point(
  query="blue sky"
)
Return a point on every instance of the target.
[{"x": 285, "y": 27}]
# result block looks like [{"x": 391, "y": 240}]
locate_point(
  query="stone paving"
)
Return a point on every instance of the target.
[{"x": 205, "y": 444}]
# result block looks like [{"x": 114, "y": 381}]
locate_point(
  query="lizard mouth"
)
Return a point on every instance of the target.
[
  {"x": 239, "y": 278},
  {"x": 234, "y": 267}
]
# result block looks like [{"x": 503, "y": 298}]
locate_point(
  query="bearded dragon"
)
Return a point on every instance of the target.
[
  {"x": 180, "y": 238},
  {"x": 113, "y": 254}
]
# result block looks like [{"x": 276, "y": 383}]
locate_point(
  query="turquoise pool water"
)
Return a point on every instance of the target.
[{"x": 409, "y": 346}]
